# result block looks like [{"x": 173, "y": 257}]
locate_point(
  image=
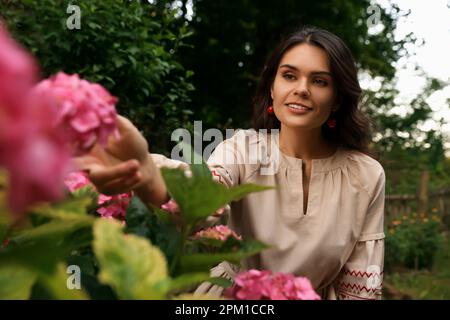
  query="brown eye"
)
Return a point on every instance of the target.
[
  {"x": 288, "y": 76},
  {"x": 320, "y": 82}
]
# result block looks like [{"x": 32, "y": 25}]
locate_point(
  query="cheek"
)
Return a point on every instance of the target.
[
  {"x": 279, "y": 91},
  {"x": 324, "y": 99}
]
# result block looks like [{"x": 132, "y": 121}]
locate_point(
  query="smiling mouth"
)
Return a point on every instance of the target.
[{"x": 297, "y": 106}]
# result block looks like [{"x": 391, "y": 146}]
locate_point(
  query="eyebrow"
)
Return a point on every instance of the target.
[{"x": 313, "y": 72}]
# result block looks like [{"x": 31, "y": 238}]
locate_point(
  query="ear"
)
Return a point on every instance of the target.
[{"x": 271, "y": 92}]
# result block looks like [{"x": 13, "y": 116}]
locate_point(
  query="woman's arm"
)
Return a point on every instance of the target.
[
  {"x": 125, "y": 165},
  {"x": 152, "y": 190}
]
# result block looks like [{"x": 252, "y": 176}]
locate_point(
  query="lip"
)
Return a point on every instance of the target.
[{"x": 298, "y": 111}]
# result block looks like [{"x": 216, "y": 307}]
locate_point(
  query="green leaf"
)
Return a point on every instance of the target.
[
  {"x": 69, "y": 209},
  {"x": 205, "y": 261},
  {"x": 16, "y": 282},
  {"x": 5, "y": 215},
  {"x": 154, "y": 224},
  {"x": 187, "y": 280},
  {"x": 130, "y": 264},
  {"x": 200, "y": 196},
  {"x": 41, "y": 248}
]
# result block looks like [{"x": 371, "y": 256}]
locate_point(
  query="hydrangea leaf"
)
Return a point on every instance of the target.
[
  {"x": 16, "y": 282},
  {"x": 130, "y": 264}
]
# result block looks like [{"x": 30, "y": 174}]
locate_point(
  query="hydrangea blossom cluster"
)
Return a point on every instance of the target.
[
  {"x": 118, "y": 203},
  {"x": 219, "y": 232},
  {"x": 42, "y": 125},
  {"x": 265, "y": 285},
  {"x": 85, "y": 111}
]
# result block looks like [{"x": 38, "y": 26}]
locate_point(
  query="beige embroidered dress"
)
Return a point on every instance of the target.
[{"x": 338, "y": 244}]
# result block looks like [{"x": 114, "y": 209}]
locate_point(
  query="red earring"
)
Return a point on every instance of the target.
[
  {"x": 331, "y": 123},
  {"x": 270, "y": 110}
]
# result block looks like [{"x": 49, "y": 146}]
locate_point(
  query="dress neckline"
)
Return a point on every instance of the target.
[{"x": 332, "y": 162}]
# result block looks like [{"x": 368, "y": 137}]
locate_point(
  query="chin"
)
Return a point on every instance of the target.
[{"x": 300, "y": 125}]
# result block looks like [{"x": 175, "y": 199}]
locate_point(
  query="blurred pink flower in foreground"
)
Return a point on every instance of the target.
[
  {"x": 219, "y": 232},
  {"x": 263, "y": 285},
  {"x": 18, "y": 72},
  {"x": 34, "y": 154},
  {"x": 42, "y": 126},
  {"x": 118, "y": 203},
  {"x": 85, "y": 111}
]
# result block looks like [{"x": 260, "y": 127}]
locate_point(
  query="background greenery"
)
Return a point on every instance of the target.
[{"x": 153, "y": 55}]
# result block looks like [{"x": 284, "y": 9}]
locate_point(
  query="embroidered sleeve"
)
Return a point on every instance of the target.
[
  {"x": 226, "y": 163},
  {"x": 362, "y": 275}
]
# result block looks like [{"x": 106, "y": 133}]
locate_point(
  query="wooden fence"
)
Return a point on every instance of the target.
[{"x": 435, "y": 202}]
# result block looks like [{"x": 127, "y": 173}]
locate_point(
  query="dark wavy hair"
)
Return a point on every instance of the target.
[{"x": 353, "y": 127}]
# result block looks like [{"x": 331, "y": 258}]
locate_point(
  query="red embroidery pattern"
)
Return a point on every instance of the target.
[
  {"x": 358, "y": 273},
  {"x": 359, "y": 288}
]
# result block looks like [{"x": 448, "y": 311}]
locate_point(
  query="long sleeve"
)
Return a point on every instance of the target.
[
  {"x": 362, "y": 275},
  {"x": 226, "y": 162}
]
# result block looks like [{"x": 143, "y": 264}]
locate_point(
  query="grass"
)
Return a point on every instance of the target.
[{"x": 425, "y": 284}]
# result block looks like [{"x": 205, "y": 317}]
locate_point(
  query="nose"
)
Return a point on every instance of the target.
[{"x": 302, "y": 88}]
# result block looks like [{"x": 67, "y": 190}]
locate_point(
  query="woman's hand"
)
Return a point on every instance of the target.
[{"x": 124, "y": 165}]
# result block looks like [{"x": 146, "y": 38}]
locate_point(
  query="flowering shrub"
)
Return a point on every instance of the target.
[
  {"x": 412, "y": 240},
  {"x": 148, "y": 257},
  {"x": 109, "y": 206},
  {"x": 31, "y": 149},
  {"x": 264, "y": 285}
]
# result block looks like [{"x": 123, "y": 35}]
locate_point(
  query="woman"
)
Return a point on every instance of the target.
[{"x": 325, "y": 218}]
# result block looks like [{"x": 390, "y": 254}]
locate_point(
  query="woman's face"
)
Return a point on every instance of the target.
[{"x": 303, "y": 90}]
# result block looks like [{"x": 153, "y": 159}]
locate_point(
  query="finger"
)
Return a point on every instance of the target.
[
  {"x": 123, "y": 123},
  {"x": 104, "y": 175},
  {"x": 85, "y": 163},
  {"x": 122, "y": 185}
]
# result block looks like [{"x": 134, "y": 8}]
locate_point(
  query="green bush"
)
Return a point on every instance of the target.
[
  {"x": 149, "y": 256},
  {"x": 412, "y": 241},
  {"x": 130, "y": 47}
]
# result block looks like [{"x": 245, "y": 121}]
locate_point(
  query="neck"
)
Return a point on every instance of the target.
[{"x": 304, "y": 144}]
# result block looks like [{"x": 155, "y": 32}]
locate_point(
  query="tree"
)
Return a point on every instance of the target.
[
  {"x": 129, "y": 47},
  {"x": 232, "y": 40}
]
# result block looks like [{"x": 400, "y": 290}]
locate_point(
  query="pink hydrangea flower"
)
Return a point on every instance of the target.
[
  {"x": 264, "y": 285},
  {"x": 171, "y": 206},
  {"x": 33, "y": 152},
  {"x": 118, "y": 207},
  {"x": 118, "y": 203},
  {"x": 219, "y": 232},
  {"x": 250, "y": 285},
  {"x": 76, "y": 180},
  {"x": 86, "y": 111}
]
